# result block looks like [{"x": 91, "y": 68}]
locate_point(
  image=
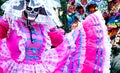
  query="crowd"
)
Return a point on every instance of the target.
[{"x": 112, "y": 21}]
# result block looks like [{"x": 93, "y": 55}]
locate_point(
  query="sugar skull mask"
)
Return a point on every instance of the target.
[
  {"x": 32, "y": 9},
  {"x": 31, "y": 12},
  {"x": 37, "y": 10}
]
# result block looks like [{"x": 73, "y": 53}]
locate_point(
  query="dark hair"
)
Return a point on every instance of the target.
[
  {"x": 27, "y": 0},
  {"x": 91, "y": 6},
  {"x": 79, "y": 7},
  {"x": 115, "y": 63}
]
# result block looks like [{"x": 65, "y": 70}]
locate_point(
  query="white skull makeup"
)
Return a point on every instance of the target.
[
  {"x": 32, "y": 9},
  {"x": 32, "y": 13},
  {"x": 37, "y": 10}
]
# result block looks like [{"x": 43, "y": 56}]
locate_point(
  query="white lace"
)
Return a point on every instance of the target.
[{"x": 14, "y": 14}]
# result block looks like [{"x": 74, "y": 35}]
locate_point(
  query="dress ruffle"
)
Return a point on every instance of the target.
[
  {"x": 98, "y": 46},
  {"x": 66, "y": 57},
  {"x": 76, "y": 57}
]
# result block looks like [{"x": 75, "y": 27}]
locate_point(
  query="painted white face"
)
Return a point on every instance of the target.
[{"x": 32, "y": 13}]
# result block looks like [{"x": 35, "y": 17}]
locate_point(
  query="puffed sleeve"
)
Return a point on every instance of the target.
[
  {"x": 3, "y": 29},
  {"x": 56, "y": 36}
]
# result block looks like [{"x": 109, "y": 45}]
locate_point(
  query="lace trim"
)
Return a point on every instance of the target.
[
  {"x": 5, "y": 53},
  {"x": 11, "y": 66},
  {"x": 73, "y": 47},
  {"x": 49, "y": 62}
]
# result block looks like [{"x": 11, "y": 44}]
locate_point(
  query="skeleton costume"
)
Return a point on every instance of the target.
[{"x": 25, "y": 42}]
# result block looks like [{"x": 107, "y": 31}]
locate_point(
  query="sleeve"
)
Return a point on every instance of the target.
[
  {"x": 77, "y": 49},
  {"x": 56, "y": 36},
  {"x": 3, "y": 29},
  {"x": 98, "y": 46},
  {"x": 69, "y": 55},
  {"x": 72, "y": 53}
]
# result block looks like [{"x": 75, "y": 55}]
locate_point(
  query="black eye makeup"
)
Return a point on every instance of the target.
[
  {"x": 36, "y": 9},
  {"x": 29, "y": 8}
]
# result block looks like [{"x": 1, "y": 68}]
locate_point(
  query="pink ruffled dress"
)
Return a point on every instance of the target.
[
  {"x": 19, "y": 55},
  {"x": 98, "y": 45}
]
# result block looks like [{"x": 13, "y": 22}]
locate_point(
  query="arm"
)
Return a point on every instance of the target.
[
  {"x": 3, "y": 29},
  {"x": 56, "y": 36}
]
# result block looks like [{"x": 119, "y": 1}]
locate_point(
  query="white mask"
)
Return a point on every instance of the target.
[{"x": 32, "y": 13}]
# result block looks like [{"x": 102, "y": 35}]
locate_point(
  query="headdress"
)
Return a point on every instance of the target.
[
  {"x": 13, "y": 9},
  {"x": 80, "y": 6}
]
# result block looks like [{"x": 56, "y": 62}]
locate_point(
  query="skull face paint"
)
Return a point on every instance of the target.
[{"x": 32, "y": 13}]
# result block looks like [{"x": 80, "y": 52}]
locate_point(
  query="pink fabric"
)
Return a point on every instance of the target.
[
  {"x": 3, "y": 29},
  {"x": 56, "y": 36},
  {"x": 68, "y": 55},
  {"x": 78, "y": 55},
  {"x": 92, "y": 62},
  {"x": 1, "y": 70},
  {"x": 54, "y": 60},
  {"x": 75, "y": 60}
]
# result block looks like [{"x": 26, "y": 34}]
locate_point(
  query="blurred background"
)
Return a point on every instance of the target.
[{"x": 1, "y": 2}]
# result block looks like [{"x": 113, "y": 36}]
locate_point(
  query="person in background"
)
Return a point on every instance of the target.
[
  {"x": 71, "y": 12},
  {"x": 76, "y": 15},
  {"x": 115, "y": 56},
  {"x": 106, "y": 16},
  {"x": 80, "y": 11}
]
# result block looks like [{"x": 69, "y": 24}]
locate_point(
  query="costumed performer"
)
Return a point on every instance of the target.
[{"x": 27, "y": 33}]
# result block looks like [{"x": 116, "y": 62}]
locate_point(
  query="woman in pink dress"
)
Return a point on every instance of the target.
[{"x": 27, "y": 33}]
